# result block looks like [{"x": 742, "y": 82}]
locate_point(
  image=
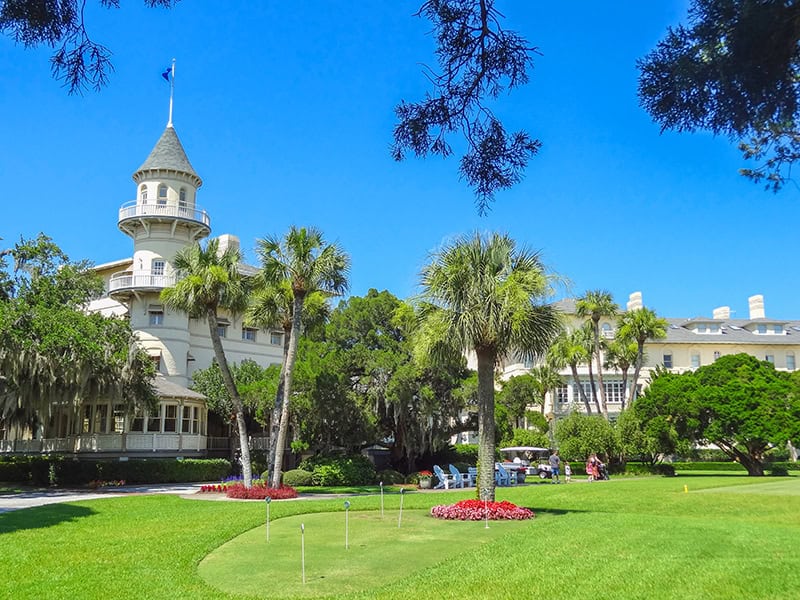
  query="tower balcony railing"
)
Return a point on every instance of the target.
[
  {"x": 136, "y": 209},
  {"x": 129, "y": 280}
]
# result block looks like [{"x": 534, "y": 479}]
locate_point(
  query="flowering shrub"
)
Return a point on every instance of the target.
[
  {"x": 98, "y": 483},
  {"x": 478, "y": 510},
  {"x": 259, "y": 492}
]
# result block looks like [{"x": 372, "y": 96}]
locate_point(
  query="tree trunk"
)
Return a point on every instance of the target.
[
  {"x": 624, "y": 386},
  {"x": 486, "y": 441},
  {"x": 581, "y": 391},
  {"x": 291, "y": 355},
  {"x": 230, "y": 385},
  {"x": 275, "y": 419},
  {"x": 636, "y": 370},
  {"x": 601, "y": 396},
  {"x": 594, "y": 387}
]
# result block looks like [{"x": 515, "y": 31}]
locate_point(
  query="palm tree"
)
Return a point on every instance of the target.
[
  {"x": 596, "y": 304},
  {"x": 571, "y": 349},
  {"x": 621, "y": 354},
  {"x": 546, "y": 379},
  {"x": 480, "y": 295},
  {"x": 271, "y": 307},
  {"x": 641, "y": 325},
  {"x": 207, "y": 281},
  {"x": 309, "y": 264}
]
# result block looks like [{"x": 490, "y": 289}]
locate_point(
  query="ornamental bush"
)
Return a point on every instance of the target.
[
  {"x": 340, "y": 470},
  {"x": 260, "y": 492},
  {"x": 297, "y": 477},
  {"x": 391, "y": 477},
  {"x": 478, "y": 510}
]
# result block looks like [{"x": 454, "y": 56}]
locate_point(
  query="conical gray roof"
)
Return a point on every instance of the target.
[{"x": 169, "y": 154}]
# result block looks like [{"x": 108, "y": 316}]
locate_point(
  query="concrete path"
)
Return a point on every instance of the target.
[{"x": 42, "y": 496}]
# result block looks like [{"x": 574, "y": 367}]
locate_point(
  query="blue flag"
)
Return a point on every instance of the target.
[{"x": 167, "y": 73}]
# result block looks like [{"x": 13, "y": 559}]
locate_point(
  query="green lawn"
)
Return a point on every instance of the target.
[{"x": 643, "y": 538}]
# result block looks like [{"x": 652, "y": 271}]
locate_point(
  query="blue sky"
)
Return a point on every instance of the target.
[{"x": 287, "y": 115}]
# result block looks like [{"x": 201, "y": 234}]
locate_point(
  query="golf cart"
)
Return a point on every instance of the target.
[{"x": 531, "y": 460}]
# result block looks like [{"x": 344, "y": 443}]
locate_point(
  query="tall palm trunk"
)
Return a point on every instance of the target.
[
  {"x": 635, "y": 382},
  {"x": 576, "y": 378},
  {"x": 230, "y": 385},
  {"x": 624, "y": 385},
  {"x": 595, "y": 398},
  {"x": 486, "y": 441},
  {"x": 601, "y": 395},
  {"x": 275, "y": 419},
  {"x": 291, "y": 355}
]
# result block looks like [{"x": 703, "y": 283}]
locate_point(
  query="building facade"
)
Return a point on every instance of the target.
[
  {"x": 163, "y": 219},
  {"x": 689, "y": 343}
]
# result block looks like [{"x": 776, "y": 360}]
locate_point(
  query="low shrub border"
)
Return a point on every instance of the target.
[
  {"x": 259, "y": 492},
  {"x": 478, "y": 510}
]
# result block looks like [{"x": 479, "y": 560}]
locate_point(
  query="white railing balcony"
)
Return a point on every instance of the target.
[
  {"x": 137, "y": 209},
  {"x": 131, "y": 280}
]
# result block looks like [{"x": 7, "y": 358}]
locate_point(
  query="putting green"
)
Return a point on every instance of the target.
[{"x": 379, "y": 552}]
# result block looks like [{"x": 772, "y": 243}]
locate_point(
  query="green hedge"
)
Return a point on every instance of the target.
[
  {"x": 340, "y": 470},
  {"x": 708, "y": 466},
  {"x": 665, "y": 469},
  {"x": 297, "y": 477},
  {"x": 49, "y": 470}
]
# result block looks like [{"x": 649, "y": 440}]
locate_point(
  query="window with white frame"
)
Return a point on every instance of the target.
[
  {"x": 190, "y": 421},
  {"x": 162, "y": 194},
  {"x": 562, "y": 394},
  {"x": 790, "y": 364},
  {"x": 119, "y": 418},
  {"x": 695, "y": 361},
  {"x": 276, "y": 338},
  {"x": 143, "y": 194},
  {"x": 156, "y": 317},
  {"x": 157, "y": 267},
  {"x": 770, "y": 358},
  {"x": 170, "y": 418},
  {"x": 761, "y": 328},
  {"x": 137, "y": 423},
  {"x": 778, "y": 329},
  {"x": 716, "y": 354},
  {"x": 607, "y": 331},
  {"x": 667, "y": 360},
  {"x": 154, "y": 421},
  {"x": 182, "y": 198},
  {"x": 222, "y": 330},
  {"x": 249, "y": 334},
  {"x": 614, "y": 392}
]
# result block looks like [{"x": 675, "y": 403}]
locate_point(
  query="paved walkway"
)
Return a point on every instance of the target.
[{"x": 42, "y": 496}]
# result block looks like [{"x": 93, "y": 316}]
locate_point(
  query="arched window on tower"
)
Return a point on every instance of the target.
[
  {"x": 162, "y": 194},
  {"x": 143, "y": 194},
  {"x": 182, "y": 199}
]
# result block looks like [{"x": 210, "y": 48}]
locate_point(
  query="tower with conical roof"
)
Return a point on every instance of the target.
[{"x": 163, "y": 219}]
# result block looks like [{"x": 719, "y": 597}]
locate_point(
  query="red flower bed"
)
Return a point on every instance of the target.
[
  {"x": 217, "y": 488},
  {"x": 477, "y": 510},
  {"x": 259, "y": 492}
]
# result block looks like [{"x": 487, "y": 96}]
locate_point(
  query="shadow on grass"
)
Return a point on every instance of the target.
[
  {"x": 556, "y": 512},
  {"x": 41, "y": 517}
]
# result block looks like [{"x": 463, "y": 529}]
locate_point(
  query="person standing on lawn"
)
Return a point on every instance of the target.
[
  {"x": 555, "y": 466},
  {"x": 567, "y": 472}
]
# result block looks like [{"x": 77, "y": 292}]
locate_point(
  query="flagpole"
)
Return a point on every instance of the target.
[{"x": 171, "y": 92}]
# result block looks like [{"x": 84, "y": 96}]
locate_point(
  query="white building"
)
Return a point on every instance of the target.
[
  {"x": 164, "y": 218},
  {"x": 690, "y": 343}
]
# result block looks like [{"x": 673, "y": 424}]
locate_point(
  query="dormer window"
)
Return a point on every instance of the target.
[
  {"x": 778, "y": 329},
  {"x": 761, "y": 328},
  {"x": 162, "y": 194},
  {"x": 143, "y": 194}
]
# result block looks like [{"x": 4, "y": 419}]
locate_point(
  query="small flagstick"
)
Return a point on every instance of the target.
[
  {"x": 171, "y": 92},
  {"x": 400, "y": 516},
  {"x": 303, "y": 550},
  {"x": 268, "y": 500},
  {"x": 346, "y": 525},
  {"x": 381, "y": 499}
]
